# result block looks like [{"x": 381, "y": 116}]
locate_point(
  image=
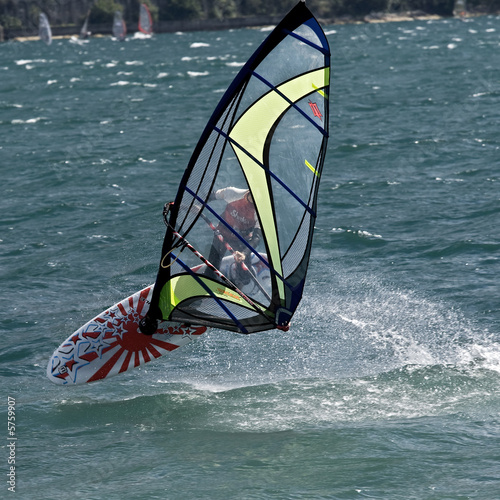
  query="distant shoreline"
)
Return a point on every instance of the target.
[
  {"x": 237, "y": 23},
  {"x": 387, "y": 17}
]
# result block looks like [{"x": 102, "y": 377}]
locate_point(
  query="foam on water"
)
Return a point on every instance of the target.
[{"x": 358, "y": 351}]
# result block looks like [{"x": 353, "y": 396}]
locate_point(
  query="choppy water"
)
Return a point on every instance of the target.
[{"x": 387, "y": 385}]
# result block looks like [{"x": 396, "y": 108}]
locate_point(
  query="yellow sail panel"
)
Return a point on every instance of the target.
[
  {"x": 250, "y": 136},
  {"x": 185, "y": 287}
]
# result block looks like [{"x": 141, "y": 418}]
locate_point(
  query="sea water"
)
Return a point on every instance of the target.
[{"x": 386, "y": 386}]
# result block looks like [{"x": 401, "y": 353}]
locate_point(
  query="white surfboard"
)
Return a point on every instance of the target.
[{"x": 111, "y": 344}]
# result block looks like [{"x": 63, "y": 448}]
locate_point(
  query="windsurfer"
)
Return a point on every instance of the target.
[{"x": 241, "y": 215}]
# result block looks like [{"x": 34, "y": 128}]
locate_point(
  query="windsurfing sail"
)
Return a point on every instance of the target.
[
  {"x": 145, "y": 20},
  {"x": 250, "y": 190},
  {"x": 459, "y": 8},
  {"x": 119, "y": 26},
  {"x": 44, "y": 31},
  {"x": 84, "y": 32}
]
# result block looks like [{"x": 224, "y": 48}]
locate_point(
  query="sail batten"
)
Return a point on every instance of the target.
[
  {"x": 248, "y": 198},
  {"x": 324, "y": 50}
]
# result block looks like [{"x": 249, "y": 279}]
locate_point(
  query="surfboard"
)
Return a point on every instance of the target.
[{"x": 111, "y": 343}]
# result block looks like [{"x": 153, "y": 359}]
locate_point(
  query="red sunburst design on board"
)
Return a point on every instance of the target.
[
  {"x": 123, "y": 336},
  {"x": 111, "y": 343}
]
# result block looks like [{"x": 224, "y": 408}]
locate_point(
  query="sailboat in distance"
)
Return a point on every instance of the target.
[
  {"x": 460, "y": 8},
  {"x": 145, "y": 25},
  {"x": 44, "y": 31},
  {"x": 119, "y": 26},
  {"x": 84, "y": 32}
]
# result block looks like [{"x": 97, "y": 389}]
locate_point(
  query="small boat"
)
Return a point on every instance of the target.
[{"x": 44, "y": 31}]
